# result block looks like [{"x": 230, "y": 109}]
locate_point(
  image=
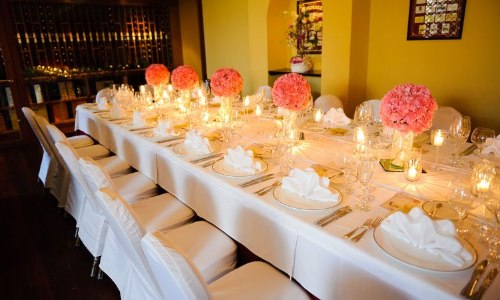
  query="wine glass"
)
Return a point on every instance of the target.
[
  {"x": 479, "y": 136},
  {"x": 492, "y": 203},
  {"x": 345, "y": 162},
  {"x": 363, "y": 114},
  {"x": 482, "y": 176},
  {"x": 438, "y": 137},
  {"x": 365, "y": 165},
  {"x": 461, "y": 200},
  {"x": 459, "y": 132}
]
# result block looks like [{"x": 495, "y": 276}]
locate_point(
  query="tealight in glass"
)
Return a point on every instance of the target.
[{"x": 413, "y": 165}]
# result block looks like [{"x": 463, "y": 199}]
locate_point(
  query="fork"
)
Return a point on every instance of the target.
[
  {"x": 366, "y": 225},
  {"x": 374, "y": 225},
  {"x": 267, "y": 189}
]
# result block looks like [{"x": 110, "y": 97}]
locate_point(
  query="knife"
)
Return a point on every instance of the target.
[
  {"x": 257, "y": 180},
  {"x": 471, "y": 285},
  {"x": 339, "y": 213},
  {"x": 486, "y": 283},
  {"x": 468, "y": 151},
  {"x": 206, "y": 158}
]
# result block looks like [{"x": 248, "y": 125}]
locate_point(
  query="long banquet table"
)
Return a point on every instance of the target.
[{"x": 324, "y": 263}]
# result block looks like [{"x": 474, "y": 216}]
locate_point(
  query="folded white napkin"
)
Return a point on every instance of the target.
[
  {"x": 116, "y": 111},
  {"x": 336, "y": 116},
  {"x": 164, "y": 128},
  {"x": 102, "y": 103},
  {"x": 436, "y": 237},
  {"x": 242, "y": 160},
  {"x": 138, "y": 119},
  {"x": 195, "y": 143},
  {"x": 492, "y": 146},
  {"x": 309, "y": 185}
]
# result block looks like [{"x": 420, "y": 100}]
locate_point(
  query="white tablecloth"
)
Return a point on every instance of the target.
[{"x": 324, "y": 263}]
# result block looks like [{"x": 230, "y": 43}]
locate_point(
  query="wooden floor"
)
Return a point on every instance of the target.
[{"x": 39, "y": 259}]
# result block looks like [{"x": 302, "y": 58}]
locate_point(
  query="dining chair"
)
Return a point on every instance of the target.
[
  {"x": 180, "y": 278},
  {"x": 123, "y": 258},
  {"x": 443, "y": 117},
  {"x": 137, "y": 189},
  {"x": 326, "y": 102},
  {"x": 76, "y": 195},
  {"x": 375, "y": 103},
  {"x": 266, "y": 90}
]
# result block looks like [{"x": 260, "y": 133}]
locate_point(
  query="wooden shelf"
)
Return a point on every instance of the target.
[
  {"x": 84, "y": 76},
  {"x": 53, "y": 102},
  {"x": 310, "y": 73}
]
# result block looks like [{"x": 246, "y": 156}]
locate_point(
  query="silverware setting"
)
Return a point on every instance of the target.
[
  {"x": 208, "y": 164},
  {"x": 339, "y": 213},
  {"x": 365, "y": 225},
  {"x": 486, "y": 284},
  {"x": 373, "y": 225},
  {"x": 194, "y": 161},
  {"x": 468, "y": 289},
  {"x": 268, "y": 188},
  {"x": 257, "y": 180},
  {"x": 468, "y": 151},
  {"x": 174, "y": 144}
]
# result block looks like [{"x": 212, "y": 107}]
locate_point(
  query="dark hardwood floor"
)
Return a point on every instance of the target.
[{"x": 39, "y": 259}]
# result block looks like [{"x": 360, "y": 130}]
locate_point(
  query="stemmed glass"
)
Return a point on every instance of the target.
[
  {"x": 345, "y": 162},
  {"x": 438, "y": 137},
  {"x": 492, "y": 203},
  {"x": 363, "y": 114},
  {"x": 365, "y": 165},
  {"x": 461, "y": 200},
  {"x": 479, "y": 136},
  {"x": 483, "y": 174},
  {"x": 459, "y": 132}
]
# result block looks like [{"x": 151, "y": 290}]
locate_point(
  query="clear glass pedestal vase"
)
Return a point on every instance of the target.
[{"x": 402, "y": 144}]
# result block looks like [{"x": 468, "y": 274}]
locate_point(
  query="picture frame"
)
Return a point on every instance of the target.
[
  {"x": 310, "y": 24},
  {"x": 436, "y": 19}
]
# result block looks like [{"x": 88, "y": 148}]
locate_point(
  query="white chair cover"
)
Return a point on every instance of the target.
[
  {"x": 266, "y": 90},
  {"x": 179, "y": 277},
  {"x": 328, "y": 101},
  {"x": 375, "y": 103},
  {"x": 443, "y": 117},
  {"x": 48, "y": 165},
  {"x": 106, "y": 92}
]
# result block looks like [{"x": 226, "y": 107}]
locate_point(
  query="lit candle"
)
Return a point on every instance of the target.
[
  {"x": 200, "y": 93},
  {"x": 483, "y": 186},
  {"x": 318, "y": 116},
  {"x": 258, "y": 110},
  {"x": 164, "y": 94},
  {"x": 246, "y": 102},
  {"x": 359, "y": 134},
  {"x": 203, "y": 100},
  {"x": 412, "y": 173},
  {"x": 170, "y": 88},
  {"x": 142, "y": 89},
  {"x": 206, "y": 117},
  {"x": 361, "y": 148},
  {"x": 438, "y": 139}
]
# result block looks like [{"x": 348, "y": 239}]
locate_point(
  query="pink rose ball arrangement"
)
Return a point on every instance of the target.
[
  {"x": 157, "y": 74},
  {"x": 184, "y": 78},
  {"x": 226, "y": 82},
  {"x": 408, "y": 107},
  {"x": 291, "y": 91}
]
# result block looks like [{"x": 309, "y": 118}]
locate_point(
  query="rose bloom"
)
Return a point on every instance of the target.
[
  {"x": 184, "y": 78},
  {"x": 291, "y": 91},
  {"x": 157, "y": 74},
  {"x": 226, "y": 82}
]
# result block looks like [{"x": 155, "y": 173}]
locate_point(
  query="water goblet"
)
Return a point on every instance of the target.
[
  {"x": 363, "y": 114},
  {"x": 461, "y": 200},
  {"x": 479, "y": 136},
  {"x": 345, "y": 162},
  {"x": 438, "y": 137},
  {"x": 365, "y": 165},
  {"x": 482, "y": 176},
  {"x": 492, "y": 203},
  {"x": 459, "y": 132}
]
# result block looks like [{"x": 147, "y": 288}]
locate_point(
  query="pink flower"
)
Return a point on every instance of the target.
[
  {"x": 408, "y": 107},
  {"x": 226, "y": 82},
  {"x": 157, "y": 74},
  {"x": 291, "y": 91},
  {"x": 184, "y": 78}
]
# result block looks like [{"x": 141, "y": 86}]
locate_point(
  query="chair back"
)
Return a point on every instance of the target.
[
  {"x": 375, "y": 103},
  {"x": 95, "y": 178},
  {"x": 326, "y": 102},
  {"x": 128, "y": 232},
  {"x": 443, "y": 117},
  {"x": 104, "y": 93},
  {"x": 177, "y": 276},
  {"x": 30, "y": 116},
  {"x": 266, "y": 91}
]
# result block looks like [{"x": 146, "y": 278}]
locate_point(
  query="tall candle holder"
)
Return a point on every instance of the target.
[
  {"x": 438, "y": 137},
  {"x": 413, "y": 165},
  {"x": 482, "y": 176}
]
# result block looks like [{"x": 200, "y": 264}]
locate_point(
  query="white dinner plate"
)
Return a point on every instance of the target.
[
  {"x": 225, "y": 170},
  {"x": 182, "y": 151},
  {"x": 107, "y": 116},
  {"x": 293, "y": 200},
  {"x": 417, "y": 257},
  {"x": 150, "y": 135},
  {"x": 131, "y": 126},
  {"x": 491, "y": 157}
]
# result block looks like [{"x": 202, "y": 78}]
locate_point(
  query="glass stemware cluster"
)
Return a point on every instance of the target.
[{"x": 459, "y": 131}]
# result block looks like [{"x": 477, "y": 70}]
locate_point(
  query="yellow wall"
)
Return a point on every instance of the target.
[
  {"x": 460, "y": 73},
  {"x": 190, "y": 35}
]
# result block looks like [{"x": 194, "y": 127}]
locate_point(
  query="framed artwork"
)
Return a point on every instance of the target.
[
  {"x": 309, "y": 26},
  {"x": 436, "y": 19}
]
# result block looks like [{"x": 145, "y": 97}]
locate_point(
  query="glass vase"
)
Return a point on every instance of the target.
[
  {"x": 290, "y": 129},
  {"x": 402, "y": 144}
]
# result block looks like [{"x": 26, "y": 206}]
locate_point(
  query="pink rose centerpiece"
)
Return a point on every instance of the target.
[
  {"x": 157, "y": 75},
  {"x": 226, "y": 84},
  {"x": 408, "y": 109},
  {"x": 184, "y": 78},
  {"x": 292, "y": 93}
]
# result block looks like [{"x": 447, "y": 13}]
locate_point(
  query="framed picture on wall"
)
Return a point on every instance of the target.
[
  {"x": 309, "y": 26},
  {"x": 436, "y": 19}
]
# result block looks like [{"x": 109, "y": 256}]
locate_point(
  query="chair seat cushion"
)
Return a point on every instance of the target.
[
  {"x": 94, "y": 151},
  {"x": 79, "y": 141},
  {"x": 114, "y": 166},
  {"x": 256, "y": 280},
  {"x": 210, "y": 249},
  {"x": 134, "y": 187},
  {"x": 162, "y": 212}
]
